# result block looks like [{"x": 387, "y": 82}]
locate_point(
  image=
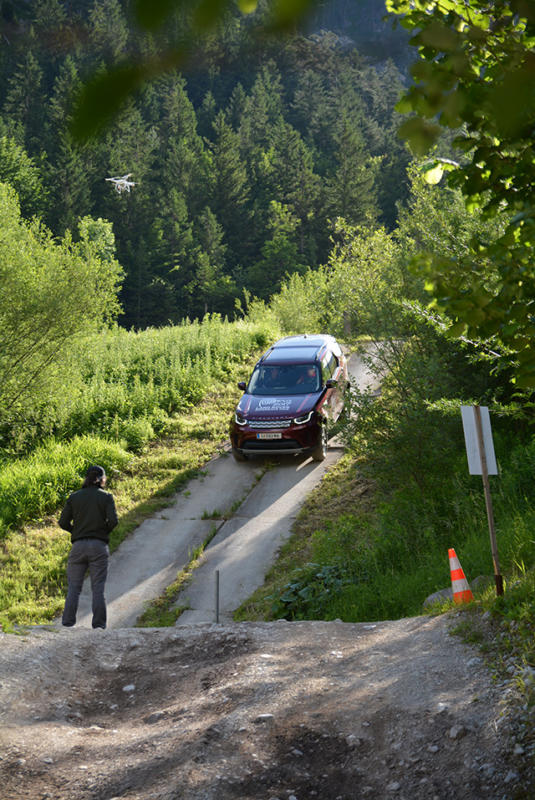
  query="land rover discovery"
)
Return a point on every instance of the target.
[{"x": 295, "y": 391}]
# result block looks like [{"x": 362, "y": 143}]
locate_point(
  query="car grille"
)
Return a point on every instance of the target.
[{"x": 269, "y": 423}]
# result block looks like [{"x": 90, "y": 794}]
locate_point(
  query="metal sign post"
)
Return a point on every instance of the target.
[
  {"x": 482, "y": 461},
  {"x": 217, "y": 595}
]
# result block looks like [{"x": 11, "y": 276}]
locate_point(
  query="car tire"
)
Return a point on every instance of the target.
[
  {"x": 241, "y": 457},
  {"x": 320, "y": 451}
]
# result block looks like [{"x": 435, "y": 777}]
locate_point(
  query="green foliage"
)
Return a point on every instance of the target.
[
  {"x": 20, "y": 172},
  {"x": 308, "y": 592},
  {"x": 476, "y": 75},
  {"x": 51, "y": 293},
  {"x": 36, "y": 485}
]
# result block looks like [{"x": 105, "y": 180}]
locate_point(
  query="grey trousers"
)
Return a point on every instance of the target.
[{"x": 92, "y": 555}]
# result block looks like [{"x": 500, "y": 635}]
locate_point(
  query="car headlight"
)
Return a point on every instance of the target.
[
  {"x": 304, "y": 418},
  {"x": 240, "y": 419}
]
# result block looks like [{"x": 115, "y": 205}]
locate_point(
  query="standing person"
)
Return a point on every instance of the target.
[{"x": 89, "y": 516}]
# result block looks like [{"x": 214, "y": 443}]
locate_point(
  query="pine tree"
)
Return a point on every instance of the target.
[
  {"x": 69, "y": 164},
  {"x": 24, "y": 101},
  {"x": 108, "y": 31},
  {"x": 230, "y": 189},
  {"x": 296, "y": 185}
]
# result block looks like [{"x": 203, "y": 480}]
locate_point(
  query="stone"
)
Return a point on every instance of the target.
[{"x": 438, "y": 597}]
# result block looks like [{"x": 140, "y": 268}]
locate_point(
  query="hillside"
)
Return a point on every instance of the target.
[{"x": 241, "y": 161}]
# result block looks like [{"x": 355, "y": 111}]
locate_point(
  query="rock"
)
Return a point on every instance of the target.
[
  {"x": 155, "y": 717},
  {"x": 130, "y": 687},
  {"x": 438, "y": 597},
  {"x": 264, "y": 718},
  {"x": 393, "y": 787},
  {"x": 457, "y": 732},
  {"x": 518, "y": 750}
]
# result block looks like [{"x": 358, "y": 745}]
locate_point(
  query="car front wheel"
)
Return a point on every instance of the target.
[
  {"x": 238, "y": 456},
  {"x": 320, "y": 451}
]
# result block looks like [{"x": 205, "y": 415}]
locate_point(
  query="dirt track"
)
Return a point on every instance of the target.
[{"x": 255, "y": 710}]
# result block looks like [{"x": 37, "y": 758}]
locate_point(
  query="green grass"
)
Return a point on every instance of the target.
[{"x": 360, "y": 554}]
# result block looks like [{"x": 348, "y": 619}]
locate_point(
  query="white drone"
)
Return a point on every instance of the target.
[{"x": 122, "y": 184}]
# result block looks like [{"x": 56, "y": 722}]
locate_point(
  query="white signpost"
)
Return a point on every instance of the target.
[{"x": 482, "y": 461}]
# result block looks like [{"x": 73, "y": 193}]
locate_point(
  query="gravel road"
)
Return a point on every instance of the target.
[{"x": 255, "y": 711}]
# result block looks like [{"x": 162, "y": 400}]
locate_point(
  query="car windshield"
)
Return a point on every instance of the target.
[{"x": 284, "y": 380}]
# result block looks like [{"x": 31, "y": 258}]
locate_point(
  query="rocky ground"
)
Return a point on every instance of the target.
[{"x": 256, "y": 710}]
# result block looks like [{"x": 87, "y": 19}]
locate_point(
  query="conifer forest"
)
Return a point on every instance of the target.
[{"x": 242, "y": 161}]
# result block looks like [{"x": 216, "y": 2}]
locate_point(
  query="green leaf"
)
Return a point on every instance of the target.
[
  {"x": 208, "y": 12},
  {"x": 434, "y": 175},
  {"x": 439, "y": 36},
  {"x": 150, "y": 14},
  {"x": 287, "y": 12},
  {"x": 420, "y": 134},
  {"x": 102, "y": 98},
  {"x": 247, "y": 6},
  {"x": 457, "y": 329}
]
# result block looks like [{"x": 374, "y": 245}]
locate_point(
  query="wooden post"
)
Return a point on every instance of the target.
[{"x": 488, "y": 502}]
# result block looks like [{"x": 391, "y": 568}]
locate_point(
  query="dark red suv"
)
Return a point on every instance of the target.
[{"x": 296, "y": 389}]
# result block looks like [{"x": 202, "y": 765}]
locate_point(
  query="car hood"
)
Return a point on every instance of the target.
[{"x": 278, "y": 407}]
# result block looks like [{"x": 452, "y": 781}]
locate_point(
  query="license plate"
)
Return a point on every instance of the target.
[{"x": 269, "y": 435}]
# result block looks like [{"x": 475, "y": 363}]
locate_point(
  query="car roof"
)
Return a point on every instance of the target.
[
  {"x": 305, "y": 340},
  {"x": 291, "y": 355},
  {"x": 302, "y": 349}
]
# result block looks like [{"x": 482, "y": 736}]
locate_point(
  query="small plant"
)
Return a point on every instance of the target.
[{"x": 306, "y": 594}]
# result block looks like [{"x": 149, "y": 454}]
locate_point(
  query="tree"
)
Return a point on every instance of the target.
[
  {"x": 230, "y": 192},
  {"x": 476, "y": 75},
  {"x": 350, "y": 191},
  {"x": 23, "y": 99},
  {"x": 296, "y": 184},
  {"x": 51, "y": 293},
  {"x": 68, "y": 162},
  {"x": 105, "y": 93},
  {"x": 280, "y": 255},
  {"x": 20, "y": 171}
]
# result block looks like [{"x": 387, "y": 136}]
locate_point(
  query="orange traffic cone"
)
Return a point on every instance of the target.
[{"x": 459, "y": 585}]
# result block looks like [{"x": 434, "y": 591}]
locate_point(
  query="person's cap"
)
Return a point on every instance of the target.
[{"x": 96, "y": 472}]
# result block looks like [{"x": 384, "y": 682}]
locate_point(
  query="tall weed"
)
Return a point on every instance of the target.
[{"x": 36, "y": 485}]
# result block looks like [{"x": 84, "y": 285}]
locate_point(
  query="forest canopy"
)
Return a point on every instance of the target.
[{"x": 241, "y": 162}]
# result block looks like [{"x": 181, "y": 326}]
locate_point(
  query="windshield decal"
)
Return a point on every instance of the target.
[{"x": 275, "y": 404}]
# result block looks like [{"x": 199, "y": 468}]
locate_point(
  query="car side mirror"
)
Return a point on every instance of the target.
[
  {"x": 242, "y": 385},
  {"x": 331, "y": 383}
]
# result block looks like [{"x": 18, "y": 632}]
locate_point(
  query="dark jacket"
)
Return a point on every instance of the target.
[{"x": 89, "y": 514}]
